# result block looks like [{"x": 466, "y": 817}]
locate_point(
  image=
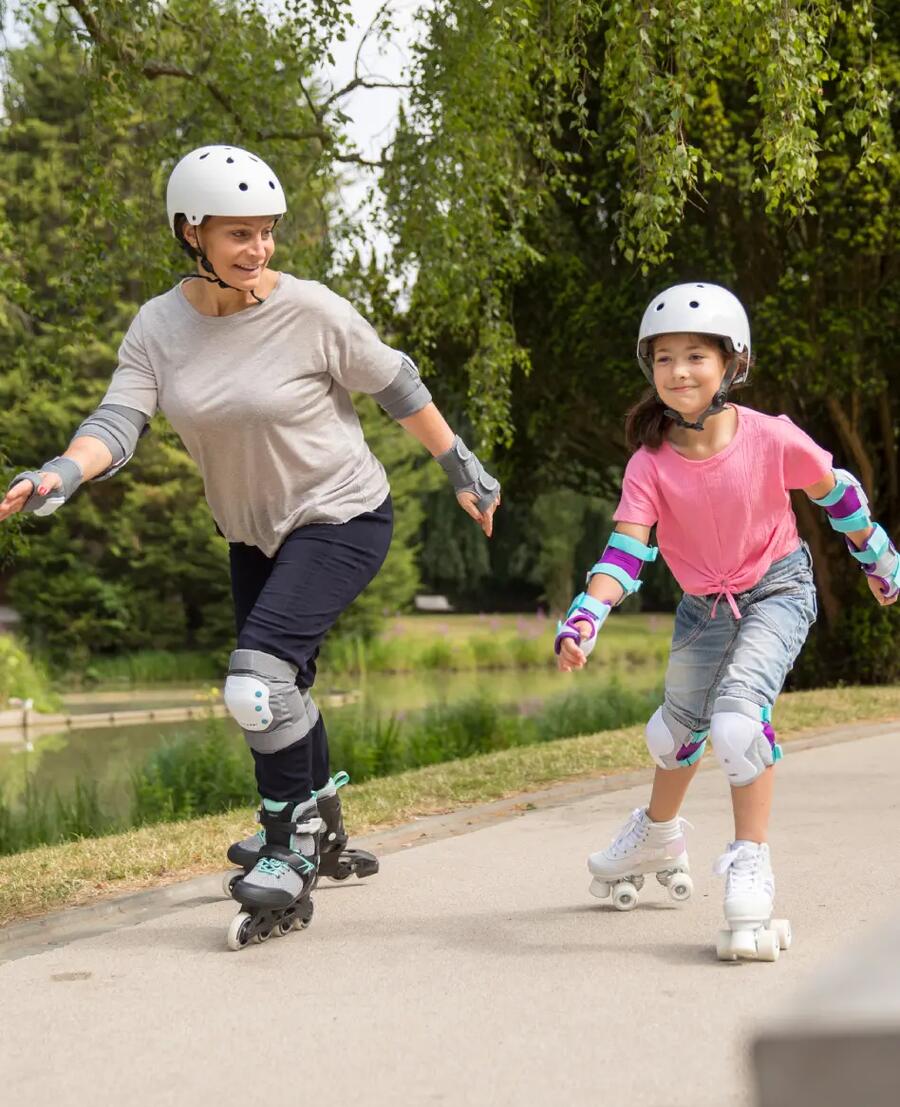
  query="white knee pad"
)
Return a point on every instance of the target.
[
  {"x": 262, "y": 696},
  {"x": 672, "y": 745},
  {"x": 739, "y": 740}
]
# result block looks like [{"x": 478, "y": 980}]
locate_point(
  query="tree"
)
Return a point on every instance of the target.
[{"x": 560, "y": 163}]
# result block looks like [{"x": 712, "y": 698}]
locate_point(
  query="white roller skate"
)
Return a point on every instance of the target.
[
  {"x": 752, "y": 933},
  {"x": 642, "y": 847}
]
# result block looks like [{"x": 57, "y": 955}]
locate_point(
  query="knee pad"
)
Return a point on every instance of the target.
[
  {"x": 743, "y": 739},
  {"x": 672, "y": 745},
  {"x": 263, "y": 698}
]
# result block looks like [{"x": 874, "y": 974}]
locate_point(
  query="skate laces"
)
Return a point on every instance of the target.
[
  {"x": 633, "y": 833},
  {"x": 271, "y": 866},
  {"x": 744, "y": 868}
]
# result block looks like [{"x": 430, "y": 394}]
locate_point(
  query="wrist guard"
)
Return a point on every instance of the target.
[
  {"x": 586, "y": 609},
  {"x": 467, "y": 474},
  {"x": 71, "y": 476}
]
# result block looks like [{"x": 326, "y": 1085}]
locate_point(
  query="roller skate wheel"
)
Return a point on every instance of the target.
[
  {"x": 599, "y": 888},
  {"x": 230, "y": 879},
  {"x": 302, "y": 919},
  {"x": 724, "y": 950},
  {"x": 263, "y": 936},
  {"x": 680, "y": 887},
  {"x": 767, "y": 946},
  {"x": 625, "y": 896},
  {"x": 238, "y": 930},
  {"x": 782, "y": 928},
  {"x": 285, "y": 926}
]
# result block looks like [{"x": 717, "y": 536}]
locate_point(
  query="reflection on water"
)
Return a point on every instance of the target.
[{"x": 109, "y": 755}]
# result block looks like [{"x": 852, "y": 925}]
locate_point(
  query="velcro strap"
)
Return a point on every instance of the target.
[
  {"x": 876, "y": 544},
  {"x": 832, "y": 497},
  {"x": 632, "y": 546},
  {"x": 859, "y": 520},
  {"x": 618, "y": 574},
  {"x": 597, "y": 608}
]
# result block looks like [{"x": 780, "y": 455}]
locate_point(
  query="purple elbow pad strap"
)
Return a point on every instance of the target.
[
  {"x": 623, "y": 560},
  {"x": 585, "y": 609},
  {"x": 846, "y": 504}
]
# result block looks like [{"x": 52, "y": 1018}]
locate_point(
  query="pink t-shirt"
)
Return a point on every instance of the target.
[{"x": 721, "y": 522}]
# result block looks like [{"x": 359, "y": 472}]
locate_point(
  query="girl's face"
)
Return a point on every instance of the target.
[
  {"x": 239, "y": 247},
  {"x": 687, "y": 371}
]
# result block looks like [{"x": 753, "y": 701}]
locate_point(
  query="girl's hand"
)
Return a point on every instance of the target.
[
  {"x": 468, "y": 501},
  {"x": 19, "y": 494},
  {"x": 875, "y": 587},
  {"x": 571, "y": 656}
]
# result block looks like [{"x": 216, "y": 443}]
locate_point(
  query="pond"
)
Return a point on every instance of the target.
[{"x": 109, "y": 755}]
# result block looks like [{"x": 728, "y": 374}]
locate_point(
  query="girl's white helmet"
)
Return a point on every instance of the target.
[
  {"x": 222, "y": 180},
  {"x": 696, "y": 309}
]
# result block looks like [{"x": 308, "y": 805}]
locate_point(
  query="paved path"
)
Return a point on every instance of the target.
[{"x": 473, "y": 970}]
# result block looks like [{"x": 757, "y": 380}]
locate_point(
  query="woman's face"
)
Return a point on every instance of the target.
[
  {"x": 687, "y": 372},
  {"x": 239, "y": 247}
]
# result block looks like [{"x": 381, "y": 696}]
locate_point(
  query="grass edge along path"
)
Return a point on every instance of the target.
[{"x": 51, "y": 877}]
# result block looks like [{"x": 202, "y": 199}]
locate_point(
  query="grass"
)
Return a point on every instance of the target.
[{"x": 51, "y": 877}]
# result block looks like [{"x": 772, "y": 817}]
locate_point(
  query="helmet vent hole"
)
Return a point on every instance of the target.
[
  {"x": 701, "y": 286},
  {"x": 694, "y": 304},
  {"x": 206, "y": 155},
  {"x": 254, "y": 159},
  {"x": 229, "y": 161},
  {"x": 271, "y": 184},
  {"x": 243, "y": 186},
  {"x": 659, "y": 307}
]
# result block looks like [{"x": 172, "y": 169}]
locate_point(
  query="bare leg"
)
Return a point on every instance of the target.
[
  {"x": 669, "y": 789},
  {"x": 752, "y": 806}
]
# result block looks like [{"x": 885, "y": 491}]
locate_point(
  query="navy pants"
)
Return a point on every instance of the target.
[{"x": 286, "y": 604}]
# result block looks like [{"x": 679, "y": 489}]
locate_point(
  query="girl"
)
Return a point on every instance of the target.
[
  {"x": 253, "y": 368},
  {"x": 714, "y": 480}
]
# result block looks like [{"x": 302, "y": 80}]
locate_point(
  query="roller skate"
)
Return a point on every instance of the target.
[
  {"x": 336, "y": 861},
  {"x": 275, "y": 894},
  {"x": 752, "y": 934},
  {"x": 639, "y": 848}
]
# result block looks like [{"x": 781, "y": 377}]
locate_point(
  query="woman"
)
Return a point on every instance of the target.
[{"x": 253, "y": 369}]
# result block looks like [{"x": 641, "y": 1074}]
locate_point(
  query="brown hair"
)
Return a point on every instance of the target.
[
  {"x": 646, "y": 423},
  {"x": 180, "y": 220}
]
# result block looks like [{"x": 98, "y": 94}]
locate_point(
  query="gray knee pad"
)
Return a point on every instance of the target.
[
  {"x": 672, "y": 745},
  {"x": 742, "y": 739},
  {"x": 262, "y": 696}
]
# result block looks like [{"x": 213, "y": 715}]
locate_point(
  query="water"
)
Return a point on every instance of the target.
[{"x": 108, "y": 755}]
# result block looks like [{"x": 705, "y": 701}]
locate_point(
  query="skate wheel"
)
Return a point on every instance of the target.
[
  {"x": 767, "y": 947},
  {"x": 680, "y": 887},
  {"x": 230, "y": 879},
  {"x": 724, "y": 950},
  {"x": 302, "y": 919},
  {"x": 239, "y": 931},
  {"x": 599, "y": 888},
  {"x": 625, "y": 896},
  {"x": 263, "y": 936},
  {"x": 285, "y": 926},
  {"x": 782, "y": 928}
]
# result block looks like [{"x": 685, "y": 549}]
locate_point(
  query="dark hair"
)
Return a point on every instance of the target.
[
  {"x": 646, "y": 422},
  {"x": 180, "y": 220}
]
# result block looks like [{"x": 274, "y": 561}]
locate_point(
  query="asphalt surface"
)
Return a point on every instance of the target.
[{"x": 474, "y": 969}]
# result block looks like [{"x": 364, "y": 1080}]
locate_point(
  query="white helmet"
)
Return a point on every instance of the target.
[
  {"x": 696, "y": 309},
  {"x": 222, "y": 180}
]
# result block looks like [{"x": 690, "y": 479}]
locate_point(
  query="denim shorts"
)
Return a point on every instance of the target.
[{"x": 747, "y": 658}]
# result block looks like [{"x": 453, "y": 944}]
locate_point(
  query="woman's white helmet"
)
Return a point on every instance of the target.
[
  {"x": 222, "y": 180},
  {"x": 696, "y": 309}
]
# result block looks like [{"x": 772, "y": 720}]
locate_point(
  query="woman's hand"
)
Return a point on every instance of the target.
[
  {"x": 20, "y": 493},
  {"x": 468, "y": 501}
]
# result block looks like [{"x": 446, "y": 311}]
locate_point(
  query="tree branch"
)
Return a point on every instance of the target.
[{"x": 852, "y": 444}]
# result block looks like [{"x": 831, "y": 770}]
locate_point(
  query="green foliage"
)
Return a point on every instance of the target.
[{"x": 23, "y": 677}]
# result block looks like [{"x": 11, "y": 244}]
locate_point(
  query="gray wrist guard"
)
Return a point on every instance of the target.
[
  {"x": 467, "y": 474},
  {"x": 70, "y": 473}
]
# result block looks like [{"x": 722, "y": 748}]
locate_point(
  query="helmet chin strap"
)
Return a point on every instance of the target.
[
  {"x": 719, "y": 402},
  {"x": 215, "y": 278}
]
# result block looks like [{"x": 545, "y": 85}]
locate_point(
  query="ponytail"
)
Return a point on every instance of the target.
[{"x": 646, "y": 423}]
